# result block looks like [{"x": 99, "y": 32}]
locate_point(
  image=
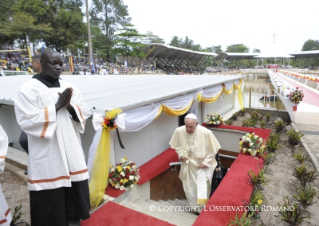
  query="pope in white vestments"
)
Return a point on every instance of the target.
[
  {"x": 52, "y": 114},
  {"x": 5, "y": 214},
  {"x": 196, "y": 148}
]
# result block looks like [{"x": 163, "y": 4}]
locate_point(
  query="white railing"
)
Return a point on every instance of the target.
[
  {"x": 11, "y": 73},
  {"x": 260, "y": 98}
]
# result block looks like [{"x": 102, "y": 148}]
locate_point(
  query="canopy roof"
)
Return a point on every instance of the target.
[
  {"x": 306, "y": 54},
  {"x": 171, "y": 52},
  {"x": 235, "y": 56},
  {"x": 122, "y": 91}
]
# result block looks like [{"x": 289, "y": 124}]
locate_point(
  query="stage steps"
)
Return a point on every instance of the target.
[{"x": 172, "y": 211}]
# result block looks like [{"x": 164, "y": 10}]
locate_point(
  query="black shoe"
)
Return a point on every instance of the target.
[{"x": 25, "y": 172}]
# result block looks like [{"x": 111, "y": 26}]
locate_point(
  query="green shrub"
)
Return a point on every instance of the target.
[
  {"x": 306, "y": 195},
  {"x": 272, "y": 142},
  {"x": 268, "y": 116},
  {"x": 262, "y": 124},
  {"x": 300, "y": 157},
  {"x": 234, "y": 117},
  {"x": 243, "y": 221},
  {"x": 256, "y": 200},
  {"x": 242, "y": 112},
  {"x": 229, "y": 122},
  {"x": 304, "y": 174},
  {"x": 294, "y": 136},
  {"x": 292, "y": 216},
  {"x": 255, "y": 115},
  {"x": 268, "y": 158},
  {"x": 279, "y": 125},
  {"x": 257, "y": 179}
]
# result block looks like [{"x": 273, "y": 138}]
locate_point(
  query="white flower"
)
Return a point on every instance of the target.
[
  {"x": 134, "y": 166},
  {"x": 131, "y": 177},
  {"x": 261, "y": 139},
  {"x": 129, "y": 162},
  {"x": 122, "y": 160},
  {"x": 253, "y": 133},
  {"x": 110, "y": 180},
  {"x": 249, "y": 150},
  {"x": 248, "y": 139},
  {"x": 123, "y": 174},
  {"x": 112, "y": 170},
  {"x": 256, "y": 136},
  {"x": 117, "y": 186},
  {"x": 213, "y": 118},
  {"x": 122, "y": 188},
  {"x": 245, "y": 149},
  {"x": 136, "y": 179},
  {"x": 132, "y": 185},
  {"x": 218, "y": 122},
  {"x": 214, "y": 123}
]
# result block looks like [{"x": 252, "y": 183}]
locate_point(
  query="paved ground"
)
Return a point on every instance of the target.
[{"x": 16, "y": 193}]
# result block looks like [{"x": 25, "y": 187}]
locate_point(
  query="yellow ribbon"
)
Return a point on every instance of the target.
[{"x": 173, "y": 112}]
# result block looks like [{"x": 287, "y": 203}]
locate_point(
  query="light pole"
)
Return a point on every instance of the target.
[{"x": 89, "y": 31}]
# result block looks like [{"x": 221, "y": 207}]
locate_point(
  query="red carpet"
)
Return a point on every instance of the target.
[
  {"x": 110, "y": 191},
  {"x": 235, "y": 186},
  {"x": 115, "y": 214},
  {"x": 311, "y": 97},
  {"x": 157, "y": 165}
]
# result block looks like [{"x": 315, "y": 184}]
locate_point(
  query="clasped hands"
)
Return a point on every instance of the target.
[
  {"x": 64, "y": 99},
  {"x": 183, "y": 159}
]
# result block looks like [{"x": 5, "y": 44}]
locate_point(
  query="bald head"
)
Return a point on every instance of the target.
[{"x": 52, "y": 63}]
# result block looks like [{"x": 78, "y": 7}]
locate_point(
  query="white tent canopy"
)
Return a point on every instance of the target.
[{"x": 273, "y": 52}]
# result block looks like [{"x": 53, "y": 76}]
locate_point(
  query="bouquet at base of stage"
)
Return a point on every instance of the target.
[
  {"x": 252, "y": 144},
  {"x": 124, "y": 175},
  {"x": 214, "y": 119},
  {"x": 296, "y": 96}
]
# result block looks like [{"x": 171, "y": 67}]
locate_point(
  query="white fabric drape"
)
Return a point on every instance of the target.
[
  {"x": 179, "y": 102},
  {"x": 212, "y": 92},
  {"x": 229, "y": 86}
]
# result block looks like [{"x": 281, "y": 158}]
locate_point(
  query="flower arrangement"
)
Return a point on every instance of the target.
[
  {"x": 214, "y": 119},
  {"x": 124, "y": 175},
  {"x": 296, "y": 96},
  {"x": 252, "y": 144}
]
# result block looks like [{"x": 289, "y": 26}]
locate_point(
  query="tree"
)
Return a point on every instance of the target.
[
  {"x": 109, "y": 15},
  {"x": 99, "y": 41},
  {"x": 256, "y": 50},
  {"x": 310, "y": 45},
  {"x": 237, "y": 48},
  {"x": 177, "y": 42},
  {"x": 151, "y": 38},
  {"x": 214, "y": 49},
  {"x": 129, "y": 42}
]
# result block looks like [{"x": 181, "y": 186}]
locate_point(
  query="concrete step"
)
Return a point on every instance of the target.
[{"x": 172, "y": 216}]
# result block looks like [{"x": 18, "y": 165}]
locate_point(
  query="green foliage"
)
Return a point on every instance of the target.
[
  {"x": 304, "y": 174},
  {"x": 279, "y": 125},
  {"x": 229, "y": 122},
  {"x": 237, "y": 48},
  {"x": 310, "y": 45},
  {"x": 243, "y": 221},
  {"x": 255, "y": 115},
  {"x": 272, "y": 142},
  {"x": 109, "y": 15},
  {"x": 256, "y": 200},
  {"x": 151, "y": 38},
  {"x": 300, "y": 157},
  {"x": 185, "y": 43},
  {"x": 129, "y": 42},
  {"x": 262, "y": 124},
  {"x": 257, "y": 179},
  {"x": 268, "y": 116},
  {"x": 291, "y": 212},
  {"x": 268, "y": 157},
  {"x": 234, "y": 117},
  {"x": 294, "y": 136},
  {"x": 306, "y": 195},
  {"x": 242, "y": 112},
  {"x": 256, "y": 51}
]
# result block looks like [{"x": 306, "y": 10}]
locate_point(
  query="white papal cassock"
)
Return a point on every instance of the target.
[
  {"x": 55, "y": 153},
  {"x": 5, "y": 214},
  {"x": 204, "y": 146}
]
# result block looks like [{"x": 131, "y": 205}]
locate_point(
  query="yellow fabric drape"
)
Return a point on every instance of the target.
[
  {"x": 212, "y": 99},
  {"x": 100, "y": 171},
  {"x": 228, "y": 91},
  {"x": 159, "y": 111},
  {"x": 173, "y": 112},
  {"x": 239, "y": 94}
]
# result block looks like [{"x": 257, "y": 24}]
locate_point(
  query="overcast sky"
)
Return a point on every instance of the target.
[{"x": 250, "y": 22}]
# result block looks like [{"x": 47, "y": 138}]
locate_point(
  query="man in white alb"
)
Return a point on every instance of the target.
[
  {"x": 5, "y": 214},
  {"x": 52, "y": 114},
  {"x": 196, "y": 148}
]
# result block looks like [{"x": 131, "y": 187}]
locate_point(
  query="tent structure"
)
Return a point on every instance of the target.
[
  {"x": 233, "y": 56},
  {"x": 170, "y": 58},
  {"x": 306, "y": 54},
  {"x": 273, "y": 52}
]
